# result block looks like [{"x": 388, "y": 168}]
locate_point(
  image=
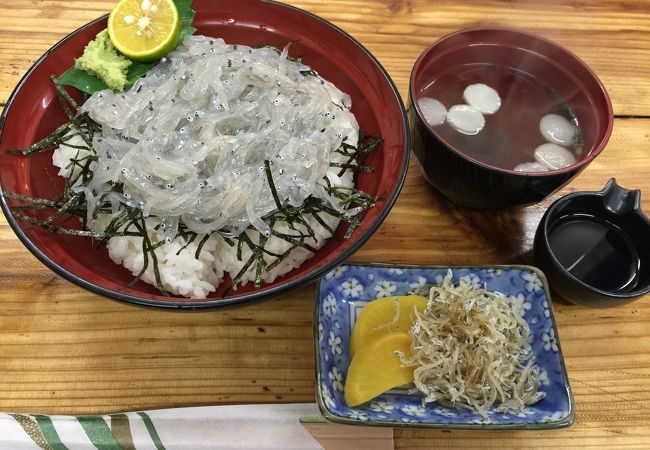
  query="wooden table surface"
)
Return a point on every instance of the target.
[{"x": 65, "y": 350}]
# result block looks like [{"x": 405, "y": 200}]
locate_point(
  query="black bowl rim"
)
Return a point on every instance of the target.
[
  {"x": 248, "y": 297},
  {"x": 544, "y": 226},
  {"x": 578, "y": 165}
]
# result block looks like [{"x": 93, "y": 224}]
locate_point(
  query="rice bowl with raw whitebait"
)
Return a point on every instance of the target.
[
  {"x": 215, "y": 138},
  {"x": 269, "y": 180}
]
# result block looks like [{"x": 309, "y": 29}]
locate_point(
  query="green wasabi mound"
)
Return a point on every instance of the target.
[{"x": 101, "y": 59}]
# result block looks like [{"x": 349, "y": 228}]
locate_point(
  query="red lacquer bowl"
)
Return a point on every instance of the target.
[{"x": 32, "y": 112}]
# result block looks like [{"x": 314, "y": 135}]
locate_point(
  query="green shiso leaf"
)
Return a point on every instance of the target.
[
  {"x": 187, "y": 16},
  {"x": 82, "y": 80},
  {"x": 90, "y": 84}
]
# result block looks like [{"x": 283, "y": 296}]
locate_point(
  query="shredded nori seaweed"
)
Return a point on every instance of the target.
[{"x": 71, "y": 206}]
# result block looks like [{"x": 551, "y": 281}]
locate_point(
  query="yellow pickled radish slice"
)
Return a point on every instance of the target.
[
  {"x": 376, "y": 368},
  {"x": 377, "y": 315},
  {"x": 144, "y": 30}
]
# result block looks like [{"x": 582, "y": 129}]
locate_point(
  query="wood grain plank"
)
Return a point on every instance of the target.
[
  {"x": 64, "y": 350},
  {"x": 397, "y": 31}
]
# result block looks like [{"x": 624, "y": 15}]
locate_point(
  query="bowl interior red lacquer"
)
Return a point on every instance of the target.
[{"x": 33, "y": 111}]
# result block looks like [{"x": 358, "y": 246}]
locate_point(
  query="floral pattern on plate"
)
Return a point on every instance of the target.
[{"x": 342, "y": 293}]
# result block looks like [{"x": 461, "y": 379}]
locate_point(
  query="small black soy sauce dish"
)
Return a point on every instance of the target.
[{"x": 594, "y": 247}]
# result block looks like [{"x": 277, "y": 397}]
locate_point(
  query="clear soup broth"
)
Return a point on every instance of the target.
[{"x": 510, "y": 135}]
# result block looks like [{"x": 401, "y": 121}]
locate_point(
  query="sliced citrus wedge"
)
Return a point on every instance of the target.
[{"x": 144, "y": 30}]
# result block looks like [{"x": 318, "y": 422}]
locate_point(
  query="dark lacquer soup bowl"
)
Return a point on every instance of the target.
[
  {"x": 534, "y": 77},
  {"x": 32, "y": 112}
]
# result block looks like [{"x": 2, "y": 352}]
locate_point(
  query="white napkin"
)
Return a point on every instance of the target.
[{"x": 237, "y": 427}]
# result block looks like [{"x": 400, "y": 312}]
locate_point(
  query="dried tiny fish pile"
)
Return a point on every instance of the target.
[{"x": 470, "y": 350}]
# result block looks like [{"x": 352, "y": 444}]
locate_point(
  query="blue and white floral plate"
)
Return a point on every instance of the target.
[{"x": 341, "y": 294}]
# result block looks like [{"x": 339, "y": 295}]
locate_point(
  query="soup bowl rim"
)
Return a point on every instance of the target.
[{"x": 602, "y": 142}]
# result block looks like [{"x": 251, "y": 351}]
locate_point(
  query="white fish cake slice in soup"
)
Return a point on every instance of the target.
[
  {"x": 553, "y": 156},
  {"x": 482, "y": 97},
  {"x": 433, "y": 111},
  {"x": 531, "y": 167},
  {"x": 557, "y": 130},
  {"x": 465, "y": 119}
]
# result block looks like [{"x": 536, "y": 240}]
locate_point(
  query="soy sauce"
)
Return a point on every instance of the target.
[{"x": 595, "y": 252}]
